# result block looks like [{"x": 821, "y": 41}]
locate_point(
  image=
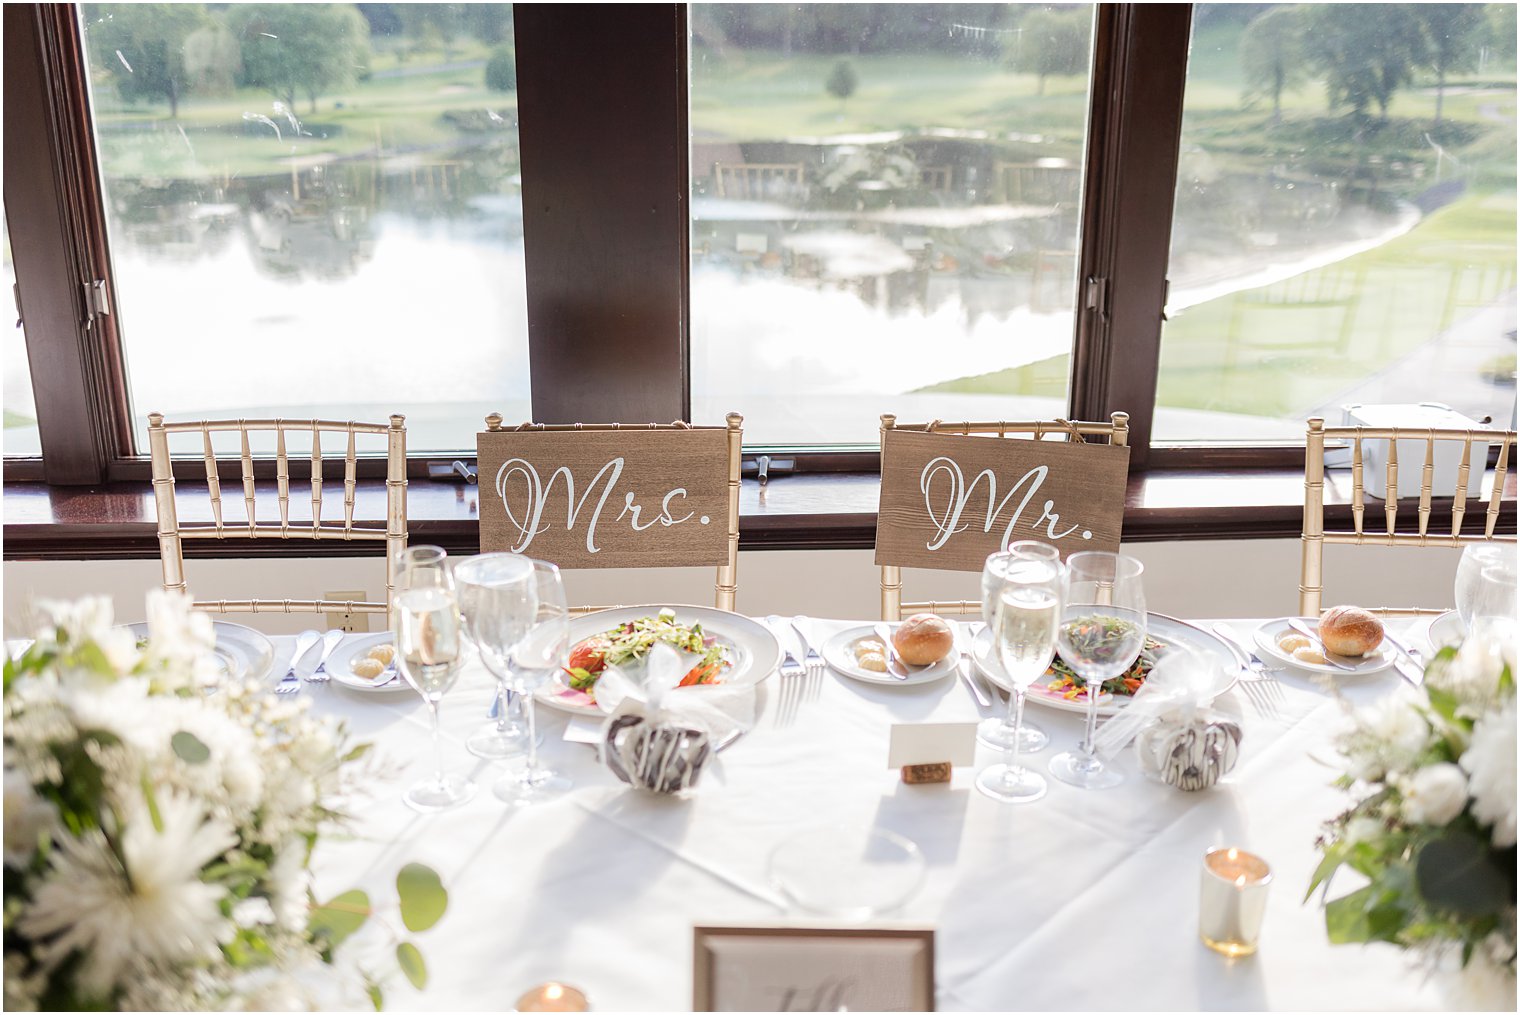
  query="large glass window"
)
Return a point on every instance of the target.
[
  {"x": 314, "y": 210},
  {"x": 884, "y": 212},
  {"x": 1345, "y": 219},
  {"x": 21, "y": 436}
]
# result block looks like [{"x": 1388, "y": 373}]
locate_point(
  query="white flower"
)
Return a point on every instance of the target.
[
  {"x": 1434, "y": 794},
  {"x": 1472, "y": 677},
  {"x": 73, "y": 622},
  {"x": 181, "y": 641},
  {"x": 1484, "y": 984},
  {"x": 287, "y": 885},
  {"x": 1387, "y": 738},
  {"x": 157, "y": 910},
  {"x": 1490, "y": 761},
  {"x": 1361, "y": 829},
  {"x": 27, "y": 817},
  {"x": 21, "y": 991}
]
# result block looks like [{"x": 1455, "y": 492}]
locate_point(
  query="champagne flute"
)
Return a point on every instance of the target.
[
  {"x": 1023, "y": 610},
  {"x": 1477, "y": 558},
  {"x": 1101, "y": 634},
  {"x": 1010, "y": 731},
  {"x": 429, "y": 653},
  {"x": 497, "y": 614},
  {"x": 532, "y": 660}
]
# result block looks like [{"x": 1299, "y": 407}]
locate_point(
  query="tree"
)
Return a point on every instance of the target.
[
  {"x": 1454, "y": 34},
  {"x": 213, "y": 60},
  {"x": 1366, "y": 52},
  {"x": 142, "y": 46},
  {"x": 304, "y": 49},
  {"x": 1050, "y": 43},
  {"x": 1272, "y": 54},
  {"x": 501, "y": 70},
  {"x": 1501, "y": 29},
  {"x": 842, "y": 81}
]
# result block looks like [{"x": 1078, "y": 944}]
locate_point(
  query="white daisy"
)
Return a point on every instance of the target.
[{"x": 156, "y": 910}]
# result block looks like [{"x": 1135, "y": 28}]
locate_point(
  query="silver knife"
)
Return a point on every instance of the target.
[
  {"x": 1340, "y": 662},
  {"x": 895, "y": 666},
  {"x": 330, "y": 642},
  {"x": 963, "y": 640}
]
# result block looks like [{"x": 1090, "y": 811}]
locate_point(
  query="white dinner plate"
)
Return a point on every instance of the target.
[
  {"x": 839, "y": 652},
  {"x": 340, "y": 665},
  {"x": 1167, "y": 630},
  {"x": 1447, "y": 629},
  {"x": 240, "y": 651},
  {"x": 1266, "y": 641},
  {"x": 754, "y": 649}
]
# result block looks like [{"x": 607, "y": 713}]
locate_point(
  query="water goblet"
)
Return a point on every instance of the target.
[
  {"x": 532, "y": 660},
  {"x": 497, "y": 614},
  {"x": 1476, "y": 559},
  {"x": 429, "y": 654},
  {"x": 1101, "y": 634},
  {"x": 1011, "y": 730},
  {"x": 1023, "y": 611}
]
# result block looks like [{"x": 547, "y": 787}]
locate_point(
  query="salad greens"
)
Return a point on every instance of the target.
[{"x": 632, "y": 641}]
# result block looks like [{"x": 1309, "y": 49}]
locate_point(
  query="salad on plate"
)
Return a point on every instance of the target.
[{"x": 629, "y": 643}]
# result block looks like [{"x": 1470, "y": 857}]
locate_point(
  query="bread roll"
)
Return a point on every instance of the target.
[
  {"x": 1349, "y": 631},
  {"x": 923, "y": 639}
]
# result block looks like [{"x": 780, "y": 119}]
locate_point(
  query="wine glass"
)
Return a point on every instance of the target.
[
  {"x": 1477, "y": 559},
  {"x": 1101, "y": 634},
  {"x": 429, "y": 653},
  {"x": 1023, "y": 612},
  {"x": 531, "y": 661},
  {"x": 496, "y": 616},
  {"x": 1004, "y": 733},
  {"x": 1493, "y": 594}
]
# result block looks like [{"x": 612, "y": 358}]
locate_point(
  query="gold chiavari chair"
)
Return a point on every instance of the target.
[
  {"x": 726, "y": 584},
  {"x": 1315, "y": 536},
  {"x": 1115, "y": 431},
  {"x": 172, "y": 533}
]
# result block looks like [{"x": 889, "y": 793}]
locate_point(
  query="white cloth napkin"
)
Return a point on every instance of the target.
[
  {"x": 720, "y": 709},
  {"x": 1182, "y": 684}
]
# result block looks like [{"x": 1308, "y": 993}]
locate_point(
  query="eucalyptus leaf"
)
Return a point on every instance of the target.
[
  {"x": 423, "y": 897},
  {"x": 337, "y": 918},
  {"x": 189, "y": 749},
  {"x": 1346, "y": 917},
  {"x": 410, "y": 961},
  {"x": 1457, "y": 873},
  {"x": 1334, "y": 856},
  {"x": 359, "y": 751}
]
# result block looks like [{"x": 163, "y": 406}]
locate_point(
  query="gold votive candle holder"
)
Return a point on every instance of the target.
[
  {"x": 1232, "y": 900},
  {"x": 553, "y": 996}
]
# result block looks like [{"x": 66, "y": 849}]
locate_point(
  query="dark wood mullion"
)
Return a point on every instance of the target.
[
  {"x": 1134, "y": 130},
  {"x": 55, "y": 216},
  {"x": 601, "y": 106}
]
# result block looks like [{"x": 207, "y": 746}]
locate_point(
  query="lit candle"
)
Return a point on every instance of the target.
[
  {"x": 553, "y": 996},
  {"x": 1232, "y": 900}
]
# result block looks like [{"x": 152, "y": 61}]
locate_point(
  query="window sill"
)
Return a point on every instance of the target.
[{"x": 809, "y": 511}]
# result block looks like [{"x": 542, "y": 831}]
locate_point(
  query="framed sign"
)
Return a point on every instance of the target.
[
  {"x": 813, "y": 969},
  {"x": 609, "y": 496},
  {"x": 948, "y": 500}
]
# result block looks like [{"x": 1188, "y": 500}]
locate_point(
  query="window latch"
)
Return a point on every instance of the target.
[
  {"x": 97, "y": 302},
  {"x": 1097, "y": 295},
  {"x": 452, "y": 470},
  {"x": 16, "y": 295},
  {"x": 762, "y": 466}
]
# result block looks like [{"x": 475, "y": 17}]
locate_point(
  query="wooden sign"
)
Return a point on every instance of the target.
[
  {"x": 606, "y": 498},
  {"x": 947, "y": 500}
]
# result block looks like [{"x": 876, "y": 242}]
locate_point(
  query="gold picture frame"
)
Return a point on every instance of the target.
[{"x": 812, "y": 968}]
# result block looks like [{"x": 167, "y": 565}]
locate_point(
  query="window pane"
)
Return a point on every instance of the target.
[
  {"x": 21, "y": 437},
  {"x": 314, "y": 210},
  {"x": 884, "y": 212},
  {"x": 1345, "y": 222}
]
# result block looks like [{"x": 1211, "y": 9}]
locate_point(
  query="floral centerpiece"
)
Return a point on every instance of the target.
[
  {"x": 1432, "y": 831},
  {"x": 157, "y": 837}
]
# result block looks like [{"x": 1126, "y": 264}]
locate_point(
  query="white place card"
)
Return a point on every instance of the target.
[
  {"x": 930, "y": 743},
  {"x": 580, "y": 730}
]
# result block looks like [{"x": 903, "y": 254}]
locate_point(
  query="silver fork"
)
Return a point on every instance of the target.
[
  {"x": 814, "y": 661},
  {"x": 1260, "y": 687},
  {"x": 290, "y": 683},
  {"x": 791, "y": 685},
  {"x": 330, "y": 642}
]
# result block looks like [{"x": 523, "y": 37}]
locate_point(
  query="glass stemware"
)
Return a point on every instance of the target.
[
  {"x": 497, "y": 614},
  {"x": 1101, "y": 634},
  {"x": 1478, "y": 558},
  {"x": 429, "y": 654},
  {"x": 535, "y": 657},
  {"x": 1010, "y": 731},
  {"x": 1022, "y": 603}
]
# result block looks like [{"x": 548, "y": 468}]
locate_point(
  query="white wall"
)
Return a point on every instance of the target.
[{"x": 1229, "y": 578}]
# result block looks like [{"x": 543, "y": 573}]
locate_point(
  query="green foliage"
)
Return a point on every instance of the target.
[
  {"x": 1457, "y": 873},
  {"x": 423, "y": 897},
  {"x": 842, "y": 81},
  {"x": 501, "y": 70},
  {"x": 1501, "y": 28},
  {"x": 332, "y": 922},
  {"x": 1365, "y": 52},
  {"x": 188, "y": 748},
  {"x": 142, "y": 47},
  {"x": 410, "y": 961},
  {"x": 300, "y": 49},
  {"x": 1454, "y": 35},
  {"x": 212, "y": 60},
  {"x": 1272, "y": 54},
  {"x": 1052, "y": 43}
]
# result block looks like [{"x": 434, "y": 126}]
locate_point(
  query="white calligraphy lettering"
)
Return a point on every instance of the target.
[{"x": 942, "y": 478}]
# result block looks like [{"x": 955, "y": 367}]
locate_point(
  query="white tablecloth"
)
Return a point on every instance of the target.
[{"x": 1082, "y": 900}]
